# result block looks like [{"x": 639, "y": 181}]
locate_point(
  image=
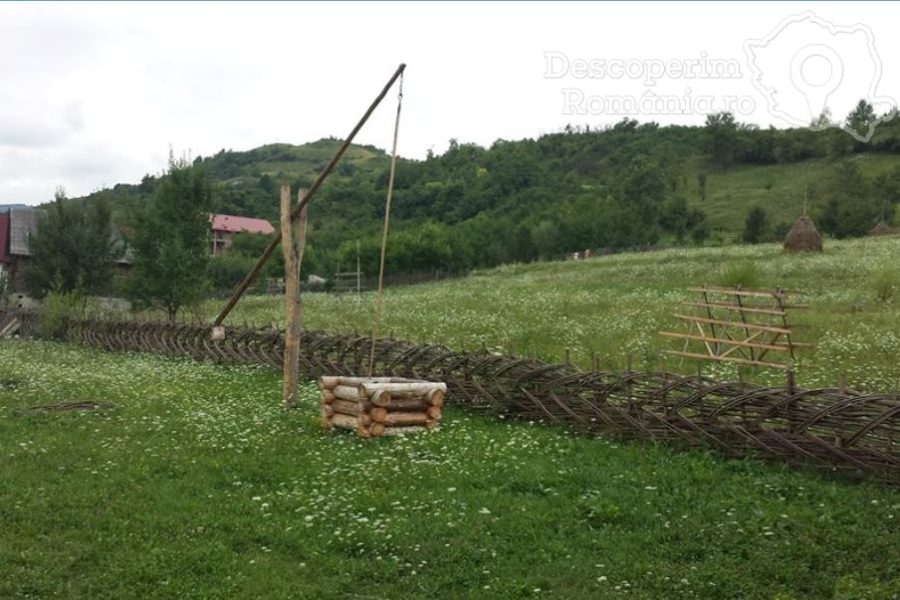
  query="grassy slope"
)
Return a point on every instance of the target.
[
  {"x": 199, "y": 486},
  {"x": 615, "y": 305},
  {"x": 730, "y": 193},
  {"x": 308, "y": 159}
]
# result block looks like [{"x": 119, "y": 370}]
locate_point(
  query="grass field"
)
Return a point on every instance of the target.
[
  {"x": 198, "y": 485},
  {"x": 615, "y": 305},
  {"x": 780, "y": 189}
]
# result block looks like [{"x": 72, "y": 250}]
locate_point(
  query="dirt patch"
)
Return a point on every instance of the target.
[{"x": 9, "y": 384}]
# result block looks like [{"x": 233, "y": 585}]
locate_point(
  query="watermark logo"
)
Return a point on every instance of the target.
[
  {"x": 646, "y": 73},
  {"x": 807, "y": 66}
]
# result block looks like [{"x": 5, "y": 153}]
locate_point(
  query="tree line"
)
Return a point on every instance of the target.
[{"x": 622, "y": 186}]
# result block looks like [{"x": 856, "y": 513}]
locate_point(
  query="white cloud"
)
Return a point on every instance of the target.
[{"x": 93, "y": 94}]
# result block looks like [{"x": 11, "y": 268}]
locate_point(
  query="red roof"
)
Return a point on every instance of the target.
[{"x": 235, "y": 224}]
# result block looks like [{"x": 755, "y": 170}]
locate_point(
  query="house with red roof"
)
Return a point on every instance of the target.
[{"x": 224, "y": 227}]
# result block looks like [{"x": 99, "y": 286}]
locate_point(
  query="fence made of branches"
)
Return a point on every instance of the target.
[{"x": 833, "y": 429}]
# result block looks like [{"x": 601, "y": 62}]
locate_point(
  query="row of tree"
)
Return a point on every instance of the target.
[
  {"x": 628, "y": 185},
  {"x": 75, "y": 248},
  {"x": 848, "y": 204}
]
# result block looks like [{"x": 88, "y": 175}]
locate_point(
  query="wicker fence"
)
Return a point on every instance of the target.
[{"x": 828, "y": 428}]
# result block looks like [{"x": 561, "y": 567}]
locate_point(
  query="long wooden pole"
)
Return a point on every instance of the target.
[
  {"x": 251, "y": 276},
  {"x": 384, "y": 233},
  {"x": 291, "y": 331}
]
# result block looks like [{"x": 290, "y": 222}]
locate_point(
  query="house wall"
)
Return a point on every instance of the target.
[
  {"x": 220, "y": 242},
  {"x": 4, "y": 237},
  {"x": 17, "y": 266},
  {"x": 22, "y": 223}
]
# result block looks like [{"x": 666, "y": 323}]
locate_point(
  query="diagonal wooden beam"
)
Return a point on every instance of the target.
[{"x": 251, "y": 276}]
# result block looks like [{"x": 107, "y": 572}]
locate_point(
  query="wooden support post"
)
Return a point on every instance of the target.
[
  {"x": 293, "y": 239},
  {"x": 789, "y": 384},
  {"x": 790, "y": 387}
]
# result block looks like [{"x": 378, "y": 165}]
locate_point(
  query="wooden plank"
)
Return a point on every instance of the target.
[
  {"x": 738, "y": 292},
  {"x": 404, "y": 389},
  {"x": 743, "y": 361},
  {"x": 780, "y": 347},
  {"x": 736, "y": 324},
  {"x": 10, "y": 328},
  {"x": 743, "y": 315},
  {"x": 737, "y": 308}
]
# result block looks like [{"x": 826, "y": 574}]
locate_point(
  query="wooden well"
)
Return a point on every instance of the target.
[{"x": 376, "y": 406}]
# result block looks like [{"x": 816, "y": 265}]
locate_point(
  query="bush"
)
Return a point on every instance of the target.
[
  {"x": 756, "y": 226},
  {"x": 227, "y": 271},
  {"x": 745, "y": 275},
  {"x": 885, "y": 283},
  {"x": 57, "y": 311}
]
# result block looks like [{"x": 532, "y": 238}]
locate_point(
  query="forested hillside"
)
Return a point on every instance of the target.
[{"x": 624, "y": 186}]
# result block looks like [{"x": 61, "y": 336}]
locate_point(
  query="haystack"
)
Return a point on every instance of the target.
[
  {"x": 803, "y": 237},
  {"x": 882, "y": 228}
]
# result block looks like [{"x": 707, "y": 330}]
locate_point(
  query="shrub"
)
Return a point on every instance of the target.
[
  {"x": 744, "y": 274},
  {"x": 227, "y": 271},
  {"x": 756, "y": 226},
  {"x": 57, "y": 311},
  {"x": 885, "y": 283}
]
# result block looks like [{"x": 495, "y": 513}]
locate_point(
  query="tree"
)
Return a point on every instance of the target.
[
  {"x": 852, "y": 203},
  {"x": 171, "y": 246},
  {"x": 861, "y": 118},
  {"x": 756, "y": 225},
  {"x": 674, "y": 217},
  {"x": 72, "y": 249},
  {"x": 547, "y": 239},
  {"x": 522, "y": 247},
  {"x": 678, "y": 219},
  {"x": 643, "y": 192},
  {"x": 700, "y": 232},
  {"x": 847, "y": 216},
  {"x": 721, "y": 138},
  {"x": 823, "y": 121}
]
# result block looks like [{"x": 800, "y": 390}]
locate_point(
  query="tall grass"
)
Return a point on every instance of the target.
[{"x": 614, "y": 307}]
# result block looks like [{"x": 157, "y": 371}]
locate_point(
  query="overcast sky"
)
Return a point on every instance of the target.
[{"x": 94, "y": 94}]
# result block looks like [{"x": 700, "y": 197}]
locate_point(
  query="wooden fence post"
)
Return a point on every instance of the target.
[{"x": 293, "y": 238}]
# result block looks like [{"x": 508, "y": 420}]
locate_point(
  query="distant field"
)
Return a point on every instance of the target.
[
  {"x": 780, "y": 189},
  {"x": 199, "y": 485},
  {"x": 615, "y": 305}
]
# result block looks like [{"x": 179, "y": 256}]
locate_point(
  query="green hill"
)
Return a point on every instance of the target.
[
  {"x": 781, "y": 189},
  {"x": 620, "y": 187},
  {"x": 247, "y": 181},
  {"x": 292, "y": 162}
]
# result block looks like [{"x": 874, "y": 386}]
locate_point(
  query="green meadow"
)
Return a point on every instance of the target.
[{"x": 197, "y": 484}]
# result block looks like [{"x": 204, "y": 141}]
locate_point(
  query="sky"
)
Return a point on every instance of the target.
[{"x": 94, "y": 94}]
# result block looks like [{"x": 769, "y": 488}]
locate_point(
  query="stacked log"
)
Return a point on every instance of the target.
[{"x": 377, "y": 406}]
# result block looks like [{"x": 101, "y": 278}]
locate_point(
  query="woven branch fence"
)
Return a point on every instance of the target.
[{"x": 837, "y": 430}]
